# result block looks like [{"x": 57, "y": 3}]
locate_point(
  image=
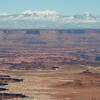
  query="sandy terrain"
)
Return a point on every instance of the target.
[{"x": 79, "y": 84}]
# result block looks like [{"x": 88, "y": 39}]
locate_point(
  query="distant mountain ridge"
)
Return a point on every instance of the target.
[
  {"x": 50, "y": 37},
  {"x": 48, "y": 20},
  {"x": 59, "y": 31}
]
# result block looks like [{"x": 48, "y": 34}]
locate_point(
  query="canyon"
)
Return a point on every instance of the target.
[
  {"x": 50, "y": 64},
  {"x": 46, "y": 49}
]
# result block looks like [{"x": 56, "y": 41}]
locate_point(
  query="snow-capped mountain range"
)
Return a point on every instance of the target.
[{"x": 47, "y": 20}]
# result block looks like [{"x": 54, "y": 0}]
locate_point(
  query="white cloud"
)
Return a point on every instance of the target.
[
  {"x": 44, "y": 12},
  {"x": 3, "y": 14},
  {"x": 28, "y": 12}
]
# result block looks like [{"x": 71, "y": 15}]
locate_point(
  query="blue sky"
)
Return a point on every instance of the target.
[{"x": 65, "y": 7}]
